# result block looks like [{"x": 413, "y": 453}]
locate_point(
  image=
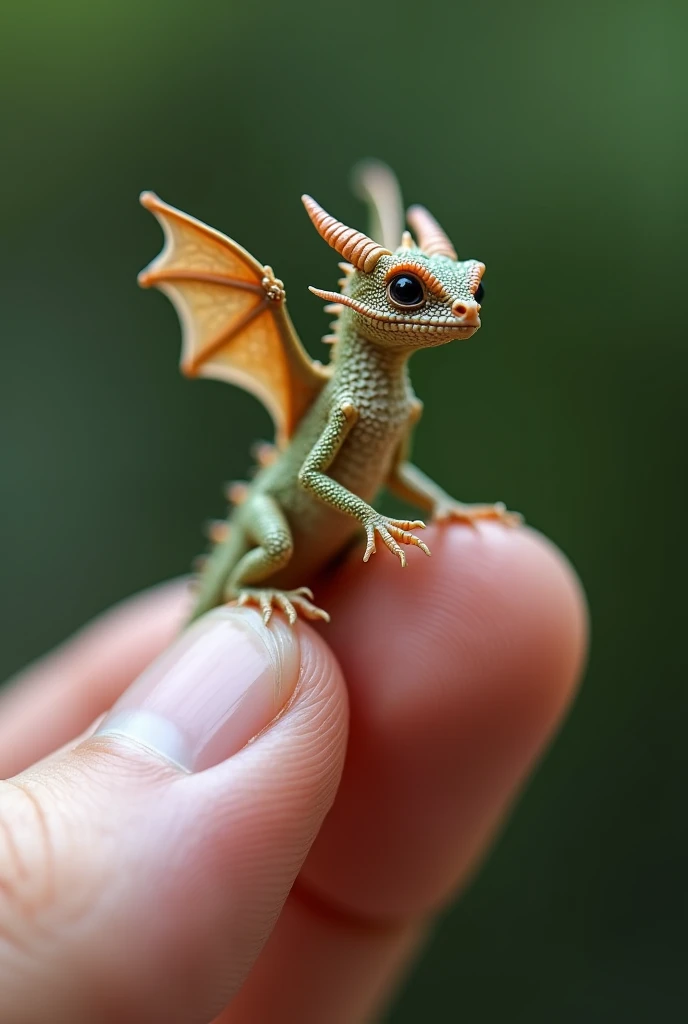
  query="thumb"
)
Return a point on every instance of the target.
[{"x": 142, "y": 869}]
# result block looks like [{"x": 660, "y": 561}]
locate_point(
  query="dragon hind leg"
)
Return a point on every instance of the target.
[{"x": 270, "y": 531}]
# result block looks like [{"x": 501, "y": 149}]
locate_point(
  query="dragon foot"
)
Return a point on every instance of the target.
[
  {"x": 393, "y": 533},
  {"x": 292, "y": 602},
  {"x": 471, "y": 514}
]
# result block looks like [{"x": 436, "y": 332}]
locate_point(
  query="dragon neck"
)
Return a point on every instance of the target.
[{"x": 360, "y": 357}]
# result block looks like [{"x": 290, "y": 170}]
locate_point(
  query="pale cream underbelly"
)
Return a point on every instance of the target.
[{"x": 320, "y": 532}]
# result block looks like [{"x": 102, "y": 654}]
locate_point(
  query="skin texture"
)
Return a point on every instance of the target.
[
  {"x": 345, "y": 429},
  {"x": 132, "y": 891}
]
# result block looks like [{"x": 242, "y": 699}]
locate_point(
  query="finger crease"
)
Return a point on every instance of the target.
[{"x": 335, "y": 914}]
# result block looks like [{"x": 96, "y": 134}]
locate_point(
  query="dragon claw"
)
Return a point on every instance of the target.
[
  {"x": 470, "y": 515},
  {"x": 393, "y": 533},
  {"x": 293, "y": 603}
]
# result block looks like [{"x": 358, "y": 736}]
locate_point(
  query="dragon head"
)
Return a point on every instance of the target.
[{"x": 418, "y": 296}]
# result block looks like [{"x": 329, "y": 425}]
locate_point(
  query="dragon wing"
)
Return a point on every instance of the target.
[{"x": 233, "y": 313}]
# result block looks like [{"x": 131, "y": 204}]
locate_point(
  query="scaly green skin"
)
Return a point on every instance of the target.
[{"x": 306, "y": 507}]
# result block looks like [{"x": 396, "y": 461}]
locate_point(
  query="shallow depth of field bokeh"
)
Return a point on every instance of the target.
[{"x": 549, "y": 139}]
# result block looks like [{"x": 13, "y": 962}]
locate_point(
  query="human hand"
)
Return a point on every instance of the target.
[{"x": 132, "y": 889}]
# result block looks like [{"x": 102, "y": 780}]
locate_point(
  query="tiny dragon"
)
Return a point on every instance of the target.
[{"x": 343, "y": 430}]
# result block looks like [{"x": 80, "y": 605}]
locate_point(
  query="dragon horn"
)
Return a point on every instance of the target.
[
  {"x": 353, "y": 245},
  {"x": 431, "y": 238}
]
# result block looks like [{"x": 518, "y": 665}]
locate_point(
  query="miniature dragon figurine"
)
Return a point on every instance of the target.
[{"x": 342, "y": 430}]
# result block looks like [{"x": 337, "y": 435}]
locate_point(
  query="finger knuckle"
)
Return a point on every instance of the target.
[
  {"x": 27, "y": 860},
  {"x": 52, "y": 873}
]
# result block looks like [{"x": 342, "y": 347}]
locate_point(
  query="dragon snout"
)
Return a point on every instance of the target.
[{"x": 467, "y": 311}]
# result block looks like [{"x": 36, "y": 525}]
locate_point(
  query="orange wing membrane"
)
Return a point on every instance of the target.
[{"x": 235, "y": 324}]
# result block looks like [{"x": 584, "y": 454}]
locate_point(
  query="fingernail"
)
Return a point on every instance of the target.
[{"x": 221, "y": 682}]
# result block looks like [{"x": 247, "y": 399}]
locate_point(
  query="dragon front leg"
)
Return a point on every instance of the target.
[
  {"x": 410, "y": 484},
  {"x": 314, "y": 479}
]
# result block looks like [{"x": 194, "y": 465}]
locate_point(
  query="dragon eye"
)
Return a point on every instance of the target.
[
  {"x": 406, "y": 290},
  {"x": 479, "y": 293}
]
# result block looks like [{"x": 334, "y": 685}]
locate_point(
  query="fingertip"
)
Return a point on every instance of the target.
[
  {"x": 459, "y": 673},
  {"x": 557, "y": 607},
  {"x": 511, "y": 594},
  {"x": 289, "y": 772}
]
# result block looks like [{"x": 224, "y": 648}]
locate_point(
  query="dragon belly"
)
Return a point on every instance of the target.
[
  {"x": 363, "y": 464},
  {"x": 321, "y": 532}
]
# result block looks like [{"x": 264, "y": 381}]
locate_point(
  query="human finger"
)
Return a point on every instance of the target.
[
  {"x": 459, "y": 670},
  {"x": 143, "y": 868},
  {"x": 57, "y": 697}
]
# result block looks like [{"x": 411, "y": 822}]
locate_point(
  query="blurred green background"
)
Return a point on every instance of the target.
[{"x": 550, "y": 140}]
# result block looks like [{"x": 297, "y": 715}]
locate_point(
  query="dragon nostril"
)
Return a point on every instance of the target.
[{"x": 459, "y": 309}]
